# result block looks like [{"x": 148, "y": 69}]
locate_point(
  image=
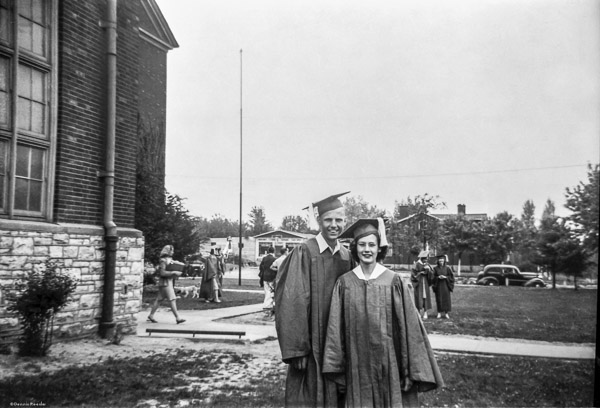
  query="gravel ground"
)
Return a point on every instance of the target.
[{"x": 89, "y": 351}]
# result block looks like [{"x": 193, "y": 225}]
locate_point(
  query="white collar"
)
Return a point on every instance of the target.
[
  {"x": 379, "y": 269},
  {"x": 323, "y": 244}
]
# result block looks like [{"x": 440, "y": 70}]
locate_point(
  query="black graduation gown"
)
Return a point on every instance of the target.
[
  {"x": 303, "y": 289},
  {"x": 376, "y": 338},
  {"x": 443, "y": 287}
]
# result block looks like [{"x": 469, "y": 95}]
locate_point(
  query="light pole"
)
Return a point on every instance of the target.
[{"x": 241, "y": 245}]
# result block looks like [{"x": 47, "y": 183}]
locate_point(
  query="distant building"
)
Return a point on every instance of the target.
[
  {"x": 59, "y": 200},
  {"x": 256, "y": 247},
  {"x": 425, "y": 221},
  {"x": 462, "y": 212},
  {"x": 230, "y": 247},
  {"x": 278, "y": 239}
]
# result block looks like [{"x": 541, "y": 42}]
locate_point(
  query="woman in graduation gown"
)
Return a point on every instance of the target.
[
  {"x": 376, "y": 345},
  {"x": 443, "y": 285}
]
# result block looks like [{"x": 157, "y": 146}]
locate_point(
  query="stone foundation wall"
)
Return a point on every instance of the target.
[{"x": 79, "y": 251}]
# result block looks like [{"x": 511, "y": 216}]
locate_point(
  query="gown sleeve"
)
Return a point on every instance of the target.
[
  {"x": 334, "y": 362},
  {"x": 417, "y": 363},
  {"x": 450, "y": 280},
  {"x": 292, "y": 305}
]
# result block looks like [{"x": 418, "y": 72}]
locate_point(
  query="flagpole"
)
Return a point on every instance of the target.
[{"x": 241, "y": 245}]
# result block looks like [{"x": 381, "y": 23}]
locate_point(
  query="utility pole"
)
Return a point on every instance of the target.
[{"x": 241, "y": 245}]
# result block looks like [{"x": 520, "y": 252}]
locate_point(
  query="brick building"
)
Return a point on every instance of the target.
[{"x": 78, "y": 79}]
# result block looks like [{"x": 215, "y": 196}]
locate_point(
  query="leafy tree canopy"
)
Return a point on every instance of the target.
[
  {"x": 357, "y": 207},
  {"x": 258, "y": 223},
  {"x": 294, "y": 223},
  {"x": 583, "y": 200}
]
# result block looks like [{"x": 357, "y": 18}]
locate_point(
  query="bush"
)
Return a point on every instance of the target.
[
  {"x": 528, "y": 267},
  {"x": 149, "y": 274},
  {"x": 37, "y": 300}
]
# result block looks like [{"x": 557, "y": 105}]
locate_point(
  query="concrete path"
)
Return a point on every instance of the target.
[{"x": 213, "y": 320}]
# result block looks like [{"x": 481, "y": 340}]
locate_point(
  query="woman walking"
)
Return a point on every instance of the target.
[{"x": 166, "y": 290}]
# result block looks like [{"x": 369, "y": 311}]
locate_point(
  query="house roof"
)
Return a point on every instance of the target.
[
  {"x": 405, "y": 219},
  {"x": 468, "y": 217},
  {"x": 280, "y": 231},
  {"x": 154, "y": 27}
]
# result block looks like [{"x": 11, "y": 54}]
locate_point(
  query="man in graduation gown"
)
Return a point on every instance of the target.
[{"x": 303, "y": 288}]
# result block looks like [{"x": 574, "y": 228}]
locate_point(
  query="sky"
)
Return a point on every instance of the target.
[{"x": 486, "y": 103}]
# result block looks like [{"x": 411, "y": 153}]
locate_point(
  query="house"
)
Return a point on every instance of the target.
[
  {"x": 278, "y": 239},
  {"x": 254, "y": 248},
  {"x": 426, "y": 224},
  {"x": 78, "y": 79},
  {"x": 462, "y": 212}
]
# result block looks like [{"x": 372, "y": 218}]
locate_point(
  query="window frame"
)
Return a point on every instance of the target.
[{"x": 15, "y": 135}]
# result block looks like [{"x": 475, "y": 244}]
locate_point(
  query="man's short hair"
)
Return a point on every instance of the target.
[
  {"x": 283, "y": 250},
  {"x": 271, "y": 250}
]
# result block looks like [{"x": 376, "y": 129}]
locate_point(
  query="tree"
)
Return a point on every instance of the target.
[
  {"x": 160, "y": 216},
  {"x": 494, "y": 239},
  {"x": 583, "y": 200},
  {"x": 549, "y": 210},
  {"x": 526, "y": 235},
  {"x": 294, "y": 223},
  {"x": 407, "y": 237},
  {"x": 218, "y": 227},
  {"x": 357, "y": 207},
  {"x": 172, "y": 225},
  {"x": 559, "y": 249},
  {"x": 457, "y": 237},
  {"x": 258, "y": 221}
]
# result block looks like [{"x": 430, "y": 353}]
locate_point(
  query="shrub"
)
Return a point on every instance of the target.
[
  {"x": 43, "y": 293},
  {"x": 150, "y": 277}
]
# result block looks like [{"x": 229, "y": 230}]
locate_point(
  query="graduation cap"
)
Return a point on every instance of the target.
[
  {"x": 443, "y": 256},
  {"x": 423, "y": 254},
  {"x": 321, "y": 207},
  {"x": 367, "y": 226},
  {"x": 327, "y": 204}
]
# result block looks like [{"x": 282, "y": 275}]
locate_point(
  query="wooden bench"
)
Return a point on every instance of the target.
[{"x": 194, "y": 332}]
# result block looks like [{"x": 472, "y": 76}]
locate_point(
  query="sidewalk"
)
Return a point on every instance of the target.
[{"x": 209, "y": 320}]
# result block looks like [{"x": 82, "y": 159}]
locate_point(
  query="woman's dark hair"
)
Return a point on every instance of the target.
[{"x": 380, "y": 255}]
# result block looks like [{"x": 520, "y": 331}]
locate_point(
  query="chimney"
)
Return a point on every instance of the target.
[
  {"x": 403, "y": 211},
  {"x": 462, "y": 209}
]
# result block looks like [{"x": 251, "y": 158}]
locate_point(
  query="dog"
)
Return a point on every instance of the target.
[{"x": 185, "y": 291}]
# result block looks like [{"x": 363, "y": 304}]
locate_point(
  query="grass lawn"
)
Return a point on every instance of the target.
[
  {"x": 230, "y": 298},
  {"x": 197, "y": 377},
  {"x": 563, "y": 315}
]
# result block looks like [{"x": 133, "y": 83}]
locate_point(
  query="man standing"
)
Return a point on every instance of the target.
[
  {"x": 268, "y": 277},
  {"x": 282, "y": 255},
  {"x": 303, "y": 293}
]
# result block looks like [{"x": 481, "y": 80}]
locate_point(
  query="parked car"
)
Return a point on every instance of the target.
[
  {"x": 509, "y": 275},
  {"x": 195, "y": 266}
]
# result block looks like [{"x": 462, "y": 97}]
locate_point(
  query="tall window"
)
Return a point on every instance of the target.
[{"x": 27, "y": 92}]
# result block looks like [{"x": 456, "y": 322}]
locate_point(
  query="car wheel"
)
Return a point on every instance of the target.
[
  {"x": 491, "y": 283},
  {"x": 538, "y": 285}
]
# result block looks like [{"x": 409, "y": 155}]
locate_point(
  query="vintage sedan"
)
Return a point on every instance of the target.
[{"x": 509, "y": 275}]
